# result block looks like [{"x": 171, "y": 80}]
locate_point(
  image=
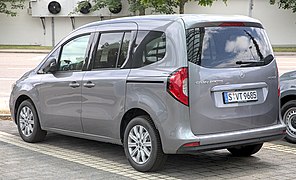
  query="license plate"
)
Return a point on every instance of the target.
[{"x": 239, "y": 96}]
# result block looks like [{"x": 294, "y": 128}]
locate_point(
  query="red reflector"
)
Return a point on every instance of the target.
[
  {"x": 232, "y": 24},
  {"x": 192, "y": 144}
]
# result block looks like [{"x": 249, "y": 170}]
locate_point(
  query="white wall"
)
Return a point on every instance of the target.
[{"x": 26, "y": 30}]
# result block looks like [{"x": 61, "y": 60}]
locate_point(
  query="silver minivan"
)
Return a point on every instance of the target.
[{"x": 158, "y": 85}]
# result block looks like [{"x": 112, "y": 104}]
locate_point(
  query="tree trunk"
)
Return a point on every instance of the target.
[
  {"x": 141, "y": 11},
  {"x": 181, "y": 6}
]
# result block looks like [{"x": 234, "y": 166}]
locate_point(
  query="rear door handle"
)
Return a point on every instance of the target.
[
  {"x": 74, "y": 84},
  {"x": 89, "y": 84}
]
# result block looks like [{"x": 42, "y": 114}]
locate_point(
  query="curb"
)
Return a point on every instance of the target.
[
  {"x": 285, "y": 53},
  {"x": 5, "y": 115},
  {"x": 24, "y": 51}
]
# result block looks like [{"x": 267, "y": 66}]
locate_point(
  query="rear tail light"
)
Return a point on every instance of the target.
[
  {"x": 278, "y": 78},
  {"x": 232, "y": 24},
  {"x": 178, "y": 85}
]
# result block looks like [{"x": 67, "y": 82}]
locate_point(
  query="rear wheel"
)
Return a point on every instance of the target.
[
  {"x": 142, "y": 145},
  {"x": 288, "y": 112},
  {"x": 28, "y": 123},
  {"x": 245, "y": 151}
]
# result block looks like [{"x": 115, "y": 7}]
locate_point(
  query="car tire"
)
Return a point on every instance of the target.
[
  {"x": 288, "y": 112},
  {"x": 28, "y": 123},
  {"x": 142, "y": 145},
  {"x": 245, "y": 151}
]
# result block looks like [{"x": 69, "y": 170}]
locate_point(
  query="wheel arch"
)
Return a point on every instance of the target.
[
  {"x": 18, "y": 102},
  {"x": 288, "y": 96},
  {"x": 129, "y": 115}
]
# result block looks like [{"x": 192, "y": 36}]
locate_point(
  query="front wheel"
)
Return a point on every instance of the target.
[
  {"x": 142, "y": 145},
  {"x": 288, "y": 112},
  {"x": 245, "y": 151},
  {"x": 28, "y": 123}
]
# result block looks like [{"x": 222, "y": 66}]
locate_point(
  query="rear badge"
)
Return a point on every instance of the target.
[
  {"x": 209, "y": 82},
  {"x": 242, "y": 75}
]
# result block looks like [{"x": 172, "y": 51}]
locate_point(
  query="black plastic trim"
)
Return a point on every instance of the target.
[{"x": 144, "y": 81}]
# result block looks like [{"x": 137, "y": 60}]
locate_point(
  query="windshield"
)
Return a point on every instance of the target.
[{"x": 220, "y": 47}]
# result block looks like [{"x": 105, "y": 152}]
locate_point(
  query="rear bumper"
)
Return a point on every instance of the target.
[{"x": 231, "y": 139}]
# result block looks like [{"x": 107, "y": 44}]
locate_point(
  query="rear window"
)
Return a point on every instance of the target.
[{"x": 227, "y": 47}]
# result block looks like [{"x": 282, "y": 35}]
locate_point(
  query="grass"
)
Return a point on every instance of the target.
[
  {"x": 284, "y": 49},
  {"x": 35, "y": 47}
]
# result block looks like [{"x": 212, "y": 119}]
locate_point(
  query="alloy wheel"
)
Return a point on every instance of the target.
[
  {"x": 139, "y": 144},
  {"x": 26, "y": 120}
]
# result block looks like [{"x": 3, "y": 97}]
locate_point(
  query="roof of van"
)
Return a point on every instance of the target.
[{"x": 188, "y": 19}]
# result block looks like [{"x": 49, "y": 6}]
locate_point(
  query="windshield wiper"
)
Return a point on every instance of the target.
[
  {"x": 249, "y": 62},
  {"x": 263, "y": 61}
]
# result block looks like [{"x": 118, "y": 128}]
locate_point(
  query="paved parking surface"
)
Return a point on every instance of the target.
[{"x": 63, "y": 157}]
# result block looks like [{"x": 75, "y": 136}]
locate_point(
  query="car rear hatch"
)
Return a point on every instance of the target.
[{"x": 233, "y": 79}]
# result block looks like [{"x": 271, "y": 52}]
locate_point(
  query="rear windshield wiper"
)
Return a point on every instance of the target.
[
  {"x": 263, "y": 61},
  {"x": 250, "y": 62}
]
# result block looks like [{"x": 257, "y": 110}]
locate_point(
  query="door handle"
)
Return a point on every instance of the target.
[
  {"x": 74, "y": 84},
  {"x": 89, "y": 84}
]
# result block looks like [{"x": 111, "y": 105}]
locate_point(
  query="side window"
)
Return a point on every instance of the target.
[
  {"x": 150, "y": 47},
  {"x": 73, "y": 54},
  {"x": 112, "y": 50},
  {"x": 193, "y": 45}
]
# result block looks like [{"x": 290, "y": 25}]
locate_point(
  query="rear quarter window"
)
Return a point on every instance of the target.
[
  {"x": 226, "y": 47},
  {"x": 150, "y": 47}
]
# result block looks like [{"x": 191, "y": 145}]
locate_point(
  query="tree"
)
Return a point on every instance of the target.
[
  {"x": 9, "y": 6},
  {"x": 285, "y": 4},
  {"x": 176, "y": 3},
  {"x": 160, "y": 6}
]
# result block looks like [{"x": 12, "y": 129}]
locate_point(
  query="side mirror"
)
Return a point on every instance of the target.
[{"x": 51, "y": 66}]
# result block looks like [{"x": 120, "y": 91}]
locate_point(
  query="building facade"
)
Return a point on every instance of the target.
[{"x": 35, "y": 25}]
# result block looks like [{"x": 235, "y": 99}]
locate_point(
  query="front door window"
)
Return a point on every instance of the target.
[{"x": 74, "y": 54}]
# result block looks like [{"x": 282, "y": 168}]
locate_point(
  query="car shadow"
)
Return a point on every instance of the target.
[{"x": 200, "y": 165}]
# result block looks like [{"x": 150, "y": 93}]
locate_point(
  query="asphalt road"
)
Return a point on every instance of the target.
[{"x": 14, "y": 65}]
